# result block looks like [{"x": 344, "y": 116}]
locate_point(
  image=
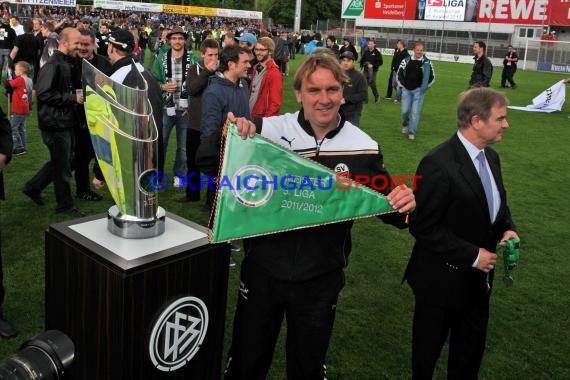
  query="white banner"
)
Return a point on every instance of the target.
[
  {"x": 236, "y": 13},
  {"x": 550, "y": 100},
  {"x": 56, "y": 3}
]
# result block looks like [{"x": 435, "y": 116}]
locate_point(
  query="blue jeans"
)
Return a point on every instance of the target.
[
  {"x": 412, "y": 100},
  {"x": 19, "y": 131},
  {"x": 181, "y": 121}
]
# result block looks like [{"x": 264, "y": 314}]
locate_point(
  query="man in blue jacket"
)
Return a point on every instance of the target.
[
  {"x": 227, "y": 92},
  {"x": 415, "y": 76}
]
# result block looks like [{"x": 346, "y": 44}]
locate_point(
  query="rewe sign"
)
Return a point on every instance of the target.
[{"x": 513, "y": 11}]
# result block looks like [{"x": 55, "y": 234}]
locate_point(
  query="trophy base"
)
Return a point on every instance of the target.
[{"x": 130, "y": 227}]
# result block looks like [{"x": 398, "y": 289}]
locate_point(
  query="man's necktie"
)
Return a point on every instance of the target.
[{"x": 486, "y": 181}]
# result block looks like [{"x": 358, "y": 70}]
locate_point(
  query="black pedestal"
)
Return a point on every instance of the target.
[{"x": 137, "y": 309}]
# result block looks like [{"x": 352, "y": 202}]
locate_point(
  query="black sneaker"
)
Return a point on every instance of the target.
[
  {"x": 73, "y": 212},
  {"x": 19, "y": 152},
  {"x": 89, "y": 195},
  {"x": 34, "y": 196}
]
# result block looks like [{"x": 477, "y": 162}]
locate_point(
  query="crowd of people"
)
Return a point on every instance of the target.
[{"x": 457, "y": 214}]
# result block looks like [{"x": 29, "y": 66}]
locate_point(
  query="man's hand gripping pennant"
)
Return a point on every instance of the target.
[{"x": 263, "y": 188}]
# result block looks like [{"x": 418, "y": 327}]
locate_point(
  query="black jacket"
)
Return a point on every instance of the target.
[
  {"x": 56, "y": 94},
  {"x": 374, "y": 57},
  {"x": 154, "y": 96},
  {"x": 399, "y": 56},
  {"x": 196, "y": 82},
  {"x": 9, "y": 36},
  {"x": 5, "y": 148},
  {"x": 482, "y": 72},
  {"x": 451, "y": 223},
  {"x": 349, "y": 48},
  {"x": 355, "y": 93}
]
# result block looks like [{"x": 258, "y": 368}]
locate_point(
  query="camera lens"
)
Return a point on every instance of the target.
[{"x": 46, "y": 357}]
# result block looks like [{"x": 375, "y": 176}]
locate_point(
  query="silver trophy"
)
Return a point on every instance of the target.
[{"x": 124, "y": 136}]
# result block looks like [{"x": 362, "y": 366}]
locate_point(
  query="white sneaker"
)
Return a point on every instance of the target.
[
  {"x": 177, "y": 182},
  {"x": 405, "y": 130},
  {"x": 412, "y": 137}
]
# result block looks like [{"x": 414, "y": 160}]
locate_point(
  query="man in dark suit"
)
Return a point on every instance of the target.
[
  {"x": 6, "y": 329},
  {"x": 460, "y": 217}
]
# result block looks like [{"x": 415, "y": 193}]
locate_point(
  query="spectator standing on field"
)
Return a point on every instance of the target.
[
  {"x": 370, "y": 64},
  {"x": 355, "y": 92},
  {"x": 400, "y": 53},
  {"x": 482, "y": 67},
  {"x": 415, "y": 76},
  {"x": 509, "y": 67}
]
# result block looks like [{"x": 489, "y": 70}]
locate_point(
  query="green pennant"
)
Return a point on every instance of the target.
[{"x": 264, "y": 188}]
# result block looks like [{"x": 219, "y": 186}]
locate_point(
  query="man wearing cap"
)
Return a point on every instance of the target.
[
  {"x": 170, "y": 70},
  {"x": 355, "y": 92},
  {"x": 247, "y": 40},
  {"x": 266, "y": 88},
  {"x": 120, "y": 52},
  {"x": 509, "y": 67}
]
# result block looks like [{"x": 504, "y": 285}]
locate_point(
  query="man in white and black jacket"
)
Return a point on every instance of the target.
[{"x": 299, "y": 274}]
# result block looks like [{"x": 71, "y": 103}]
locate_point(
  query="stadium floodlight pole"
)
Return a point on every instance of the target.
[
  {"x": 297, "y": 22},
  {"x": 443, "y": 27}
]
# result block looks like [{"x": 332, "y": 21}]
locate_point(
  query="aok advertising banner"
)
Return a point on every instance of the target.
[
  {"x": 263, "y": 188},
  {"x": 521, "y": 12}
]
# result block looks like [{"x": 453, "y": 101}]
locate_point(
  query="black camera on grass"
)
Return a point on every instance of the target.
[{"x": 46, "y": 356}]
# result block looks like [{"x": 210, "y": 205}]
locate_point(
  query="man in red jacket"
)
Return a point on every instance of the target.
[{"x": 266, "y": 88}]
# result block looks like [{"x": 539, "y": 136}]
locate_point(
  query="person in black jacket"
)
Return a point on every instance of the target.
[
  {"x": 400, "y": 53},
  {"x": 196, "y": 82},
  {"x": 348, "y": 46},
  {"x": 509, "y": 67},
  {"x": 6, "y": 329},
  {"x": 84, "y": 152},
  {"x": 482, "y": 67},
  {"x": 355, "y": 92},
  {"x": 57, "y": 117},
  {"x": 298, "y": 274},
  {"x": 121, "y": 45},
  {"x": 370, "y": 63},
  {"x": 7, "y": 42}
]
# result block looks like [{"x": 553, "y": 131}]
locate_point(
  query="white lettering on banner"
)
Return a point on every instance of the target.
[
  {"x": 513, "y": 9},
  {"x": 62, "y": 3}
]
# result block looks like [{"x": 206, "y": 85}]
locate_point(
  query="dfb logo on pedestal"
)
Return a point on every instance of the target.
[{"x": 178, "y": 333}]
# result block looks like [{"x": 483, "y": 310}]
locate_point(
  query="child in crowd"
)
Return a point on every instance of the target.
[{"x": 21, "y": 87}]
